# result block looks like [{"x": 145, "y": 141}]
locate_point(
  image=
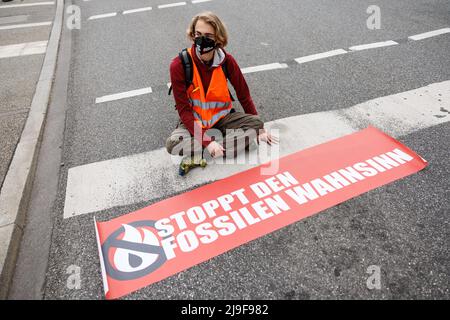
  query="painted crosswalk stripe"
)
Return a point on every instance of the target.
[
  {"x": 101, "y": 16},
  {"x": 23, "y": 49},
  {"x": 320, "y": 56},
  {"x": 152, "y": 175},
  {"x": 170, "y": 5},
  {"x": 137, "y": 10},
  {"x": 123, "y": 95},
  {"x": 373, "y": 45},
  {"x": 46, "y": 3},
  {"x": 429, "y": 34},
  {"x": 26, "y": 25},
  {"x": 265, "y": 67}
]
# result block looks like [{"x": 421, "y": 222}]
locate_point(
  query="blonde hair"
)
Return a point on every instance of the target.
[{"x": 210, "y": 18}]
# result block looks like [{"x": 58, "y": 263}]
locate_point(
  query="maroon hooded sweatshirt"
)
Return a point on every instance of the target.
[{"x": 183, "y": 105}]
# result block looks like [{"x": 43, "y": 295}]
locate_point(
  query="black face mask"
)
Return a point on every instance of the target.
[{"x": 204, "y": 44}]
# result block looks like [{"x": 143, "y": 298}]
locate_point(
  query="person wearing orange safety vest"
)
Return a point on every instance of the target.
[{"x": 204, "y": 102}]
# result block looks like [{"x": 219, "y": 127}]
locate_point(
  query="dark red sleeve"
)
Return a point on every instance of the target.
[
  {"x": 183, "y": 105},
  {"x": 240, "y": 85}
]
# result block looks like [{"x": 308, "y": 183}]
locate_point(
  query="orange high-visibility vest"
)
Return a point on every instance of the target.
[{"x": 209, "y": 107}]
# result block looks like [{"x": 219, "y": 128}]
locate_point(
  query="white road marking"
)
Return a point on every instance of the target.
[
  {"x": 152, "y": 175},
  {"x": 328, "y": 54},
  {"x": 133, "y": 93},
  {"x": 122, "y": 95},
  {"x": 200, "y": 1},
  {"x": 46, "y": 3},
  {"x": 265, "y": 67},
  {"x": 101, "y": 16},
  {"x": 320, "y": 56},
  {"x": 26, "y": 25},
  {"x": 373, "y": 45},
  {"x": 429, "y": 34},
  {"x": 13, "y": 19},
  {"x": 137, "y": 10},
  {"x": 23, "y": 49},
  {"x": 170, "y": 5}
]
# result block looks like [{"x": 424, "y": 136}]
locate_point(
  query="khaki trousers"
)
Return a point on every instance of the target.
[{"x": 235, "y": 132}]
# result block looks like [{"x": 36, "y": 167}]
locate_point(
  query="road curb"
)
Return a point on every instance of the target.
[{"x": 17, "y": 186}]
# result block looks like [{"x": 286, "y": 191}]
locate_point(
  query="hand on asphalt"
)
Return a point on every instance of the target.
[
  {"x": 267, "y": 137},
  {"x": 215, "y": 149}
]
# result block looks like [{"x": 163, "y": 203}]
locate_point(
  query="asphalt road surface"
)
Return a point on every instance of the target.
[{"x": 402, "y": 227}]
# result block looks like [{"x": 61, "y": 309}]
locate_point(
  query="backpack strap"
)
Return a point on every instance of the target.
[
  {"x": 187, "y": 64},
  {"x": 186, "y": 60},
  {"x": 225, "y": 71}
]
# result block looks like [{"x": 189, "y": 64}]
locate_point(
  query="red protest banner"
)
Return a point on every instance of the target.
[{"x": 155, "y": 242}]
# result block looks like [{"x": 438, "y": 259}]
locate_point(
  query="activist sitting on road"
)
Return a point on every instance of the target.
[{"x": 205, "y": 102}]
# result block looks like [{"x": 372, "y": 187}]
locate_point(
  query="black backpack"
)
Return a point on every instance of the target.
[{"x": 189, "y": 70}]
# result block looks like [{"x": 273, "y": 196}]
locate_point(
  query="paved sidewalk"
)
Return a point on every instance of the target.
[
  {"x": 26, "y": 79},
  {"x": 20, "y": 73}
]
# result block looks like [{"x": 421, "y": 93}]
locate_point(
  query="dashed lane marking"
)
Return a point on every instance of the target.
[
  {"x": 102, "y": 16},
  {"x": 320, "y": 56},
  {"x": 373, "y": 45},
  {"x": 313, "y": 57},
  {"x": 171, "y": 5},
  {"x": 137, "y": 10},
  {"x": 123, "y": 95},
  {"x": 265, "y": 67},
  {"x": 429, "y": 34}
]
